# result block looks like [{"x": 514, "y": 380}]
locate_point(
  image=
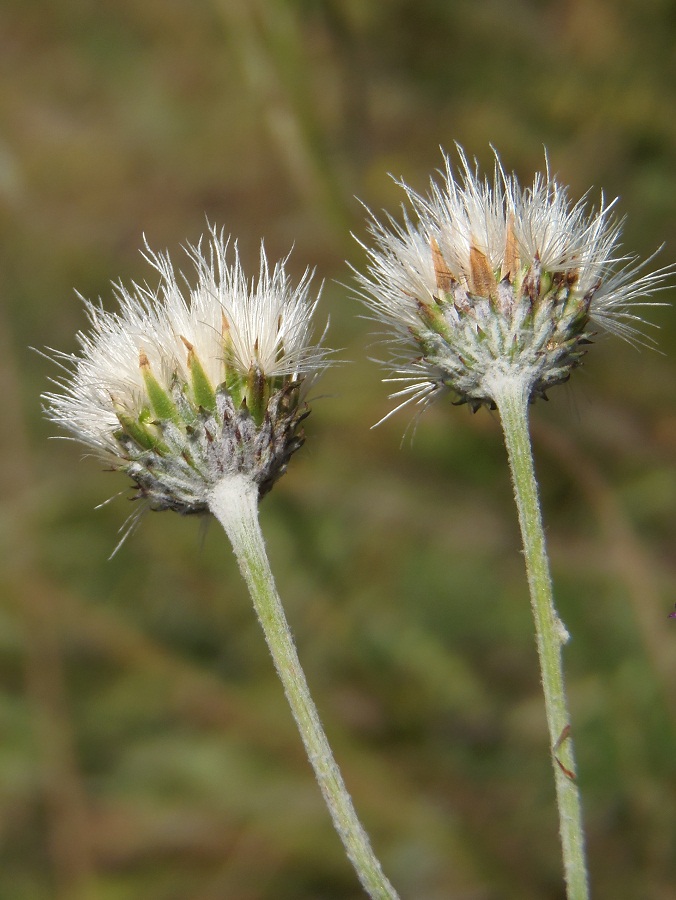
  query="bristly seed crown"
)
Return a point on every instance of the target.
[
  {"x": 493, "y": 281},
  {"x": 183, "y": 386}
]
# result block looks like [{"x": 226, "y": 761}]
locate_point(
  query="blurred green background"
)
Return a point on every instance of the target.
[{"x": 145, "y": 747}]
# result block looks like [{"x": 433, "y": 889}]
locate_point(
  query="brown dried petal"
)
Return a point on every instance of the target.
[
  {"x": 482, "y": 278},
  {"x": 444, "y": 278}
]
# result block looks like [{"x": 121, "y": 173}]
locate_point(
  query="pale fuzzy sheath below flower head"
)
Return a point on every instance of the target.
[
  {"x": 492, "y": 281},
  {"x": 184, "y": 385}
]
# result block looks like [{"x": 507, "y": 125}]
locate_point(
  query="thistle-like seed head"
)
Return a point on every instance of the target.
[
  {"x": 183, "y": 386},
  {"x": 493, "y": 281}
]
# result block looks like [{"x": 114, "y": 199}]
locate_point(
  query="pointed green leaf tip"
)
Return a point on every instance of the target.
[
  {"x": 202, "y": 389},
  {"x": 433, "y": 317},
  {"x": 235, "y": 382},
  {"x": 141, "y": 431},
  {"x": 257, "y": 394},
  {"x": 132, "y": 428},
  {"x": 160, "y": 400}
]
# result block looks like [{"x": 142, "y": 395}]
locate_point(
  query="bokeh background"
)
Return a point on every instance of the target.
[{"x": 145, "y": 747}]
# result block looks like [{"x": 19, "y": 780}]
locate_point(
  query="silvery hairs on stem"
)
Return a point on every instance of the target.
[
  {"x": 491, "y": 280},
  {"x": 184, "y": 385}
]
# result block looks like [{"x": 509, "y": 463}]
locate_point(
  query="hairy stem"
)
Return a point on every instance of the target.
[
  {"x": 234, "y": 502},
  {"x": 511, "y": 397}
]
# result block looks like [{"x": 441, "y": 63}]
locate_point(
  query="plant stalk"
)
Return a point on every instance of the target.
[
  {"x": 511, "y": 395},
  {"x": 234, "y": 502}
]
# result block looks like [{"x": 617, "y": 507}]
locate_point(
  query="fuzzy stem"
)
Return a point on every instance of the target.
[
  {"x": 511, "y": 397},
  {"x": 234, "y": 502}
]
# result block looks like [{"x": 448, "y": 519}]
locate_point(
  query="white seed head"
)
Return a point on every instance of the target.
[
  {"x": 183, "y": 385},
  {"x": 491, "y": 280}
]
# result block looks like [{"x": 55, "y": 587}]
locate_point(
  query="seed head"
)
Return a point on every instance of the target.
[
  {"x": 183, "y": 386},
  {"x": 491, "y": 280}
]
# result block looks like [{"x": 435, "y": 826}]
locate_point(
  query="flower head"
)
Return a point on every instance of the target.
[
  {"x": 183, "y": 386},
  {"x": 491, "y": 280}
]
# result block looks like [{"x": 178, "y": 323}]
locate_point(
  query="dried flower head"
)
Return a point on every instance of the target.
[
  {"x": 183, "y": 386},
  {"x": 495, "y": 281}
]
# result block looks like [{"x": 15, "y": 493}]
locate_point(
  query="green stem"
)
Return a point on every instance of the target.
[
  {"x": 234, "y": 502},
  {"x": 511, "y": 396}
]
